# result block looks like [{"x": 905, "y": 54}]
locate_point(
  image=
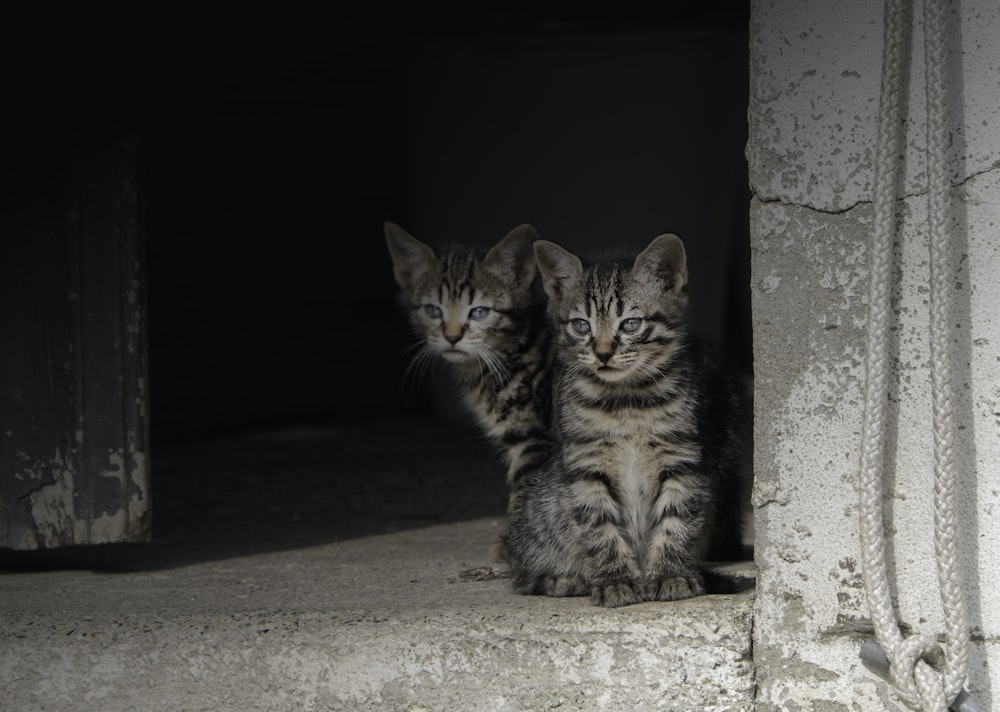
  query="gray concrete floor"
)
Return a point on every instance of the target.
[{"x": 338, "y": 569}]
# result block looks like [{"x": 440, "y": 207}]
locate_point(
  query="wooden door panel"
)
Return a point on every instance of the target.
[{"x": 73, "y": 403}]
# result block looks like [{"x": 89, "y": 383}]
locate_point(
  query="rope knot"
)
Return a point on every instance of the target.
[{"x": 917, "y": 665}]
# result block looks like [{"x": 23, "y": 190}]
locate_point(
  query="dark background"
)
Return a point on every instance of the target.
[{"x": 274, "y": 143}]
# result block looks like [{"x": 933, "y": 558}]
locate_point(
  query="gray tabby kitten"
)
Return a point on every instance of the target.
[
  {"x": 649, "y": 431},
  {"x": 477, "y": 311}
]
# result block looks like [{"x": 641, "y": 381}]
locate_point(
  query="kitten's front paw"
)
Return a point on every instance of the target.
[
  {"x": 675, "y": 587},
  {"x": 560, "y": 586},
  {"x": 615, "y": 593}
]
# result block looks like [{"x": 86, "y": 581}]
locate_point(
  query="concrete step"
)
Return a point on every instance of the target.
[{"x": 416, "y": 620}]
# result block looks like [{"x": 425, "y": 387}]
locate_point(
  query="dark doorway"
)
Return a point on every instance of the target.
[{"x": 274, "y": 144}]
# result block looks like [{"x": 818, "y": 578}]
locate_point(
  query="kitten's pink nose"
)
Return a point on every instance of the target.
[
  {"x": 453, "y": 332},
  {"x": 604, "y": 349}
]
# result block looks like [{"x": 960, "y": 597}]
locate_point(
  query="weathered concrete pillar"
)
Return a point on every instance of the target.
[{"x": 813, "y": 115}]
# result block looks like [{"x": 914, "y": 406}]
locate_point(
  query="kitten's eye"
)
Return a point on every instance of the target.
[
  {"x": 477, "y": 313},
  {"x": 580, "y": 326},
  {"x": 630, "y": 326},
  {"x": 433, "y": 311}
]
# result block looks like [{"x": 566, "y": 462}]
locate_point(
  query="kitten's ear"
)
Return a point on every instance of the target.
[
  {"x": 561, "y": 270},
  {"x": 512, "y": 260},
  {"x": 664, "y": 260},
  {"x": 410, "y": 257}
]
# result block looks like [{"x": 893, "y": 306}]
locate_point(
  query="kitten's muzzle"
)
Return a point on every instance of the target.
[
  {"x": 453, "y": 333},
  {"x": 604, "y": 348}
]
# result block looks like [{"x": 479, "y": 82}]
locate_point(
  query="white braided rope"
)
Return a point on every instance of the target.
[
  {"x": 942, "y": 288},
  {"x": 913, "y": 661}
]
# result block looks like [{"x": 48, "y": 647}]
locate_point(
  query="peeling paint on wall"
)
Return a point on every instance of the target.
[{"x": 51, "y": 505}]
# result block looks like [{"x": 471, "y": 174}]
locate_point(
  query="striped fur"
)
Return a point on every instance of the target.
[
  {"x": 649, "y": 438},
  {"x": 476, "y": 310}
]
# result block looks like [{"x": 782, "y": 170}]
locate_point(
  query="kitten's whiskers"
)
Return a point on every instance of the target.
[
  {"x": 423, "y": 361},
  {"x": 494, "y": 363}
]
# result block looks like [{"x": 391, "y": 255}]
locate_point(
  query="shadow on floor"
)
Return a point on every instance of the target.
[
  {"x": 249, "y": 493},
  {"x": 257, "y": 492}
]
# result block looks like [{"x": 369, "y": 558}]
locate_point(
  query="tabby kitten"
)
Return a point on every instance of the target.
[
  {"x": 476, "y": 310},
  {"x": 649, "y": 438}
]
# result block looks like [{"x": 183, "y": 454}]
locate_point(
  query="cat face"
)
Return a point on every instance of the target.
[
  {"x": 617, "y": 322},
  {"x": 464, "y": 305}
]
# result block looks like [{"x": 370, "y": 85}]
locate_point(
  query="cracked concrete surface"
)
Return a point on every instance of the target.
[
  {"x": 814, "y": 92},
  {"x": 813, "y": 117}
]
